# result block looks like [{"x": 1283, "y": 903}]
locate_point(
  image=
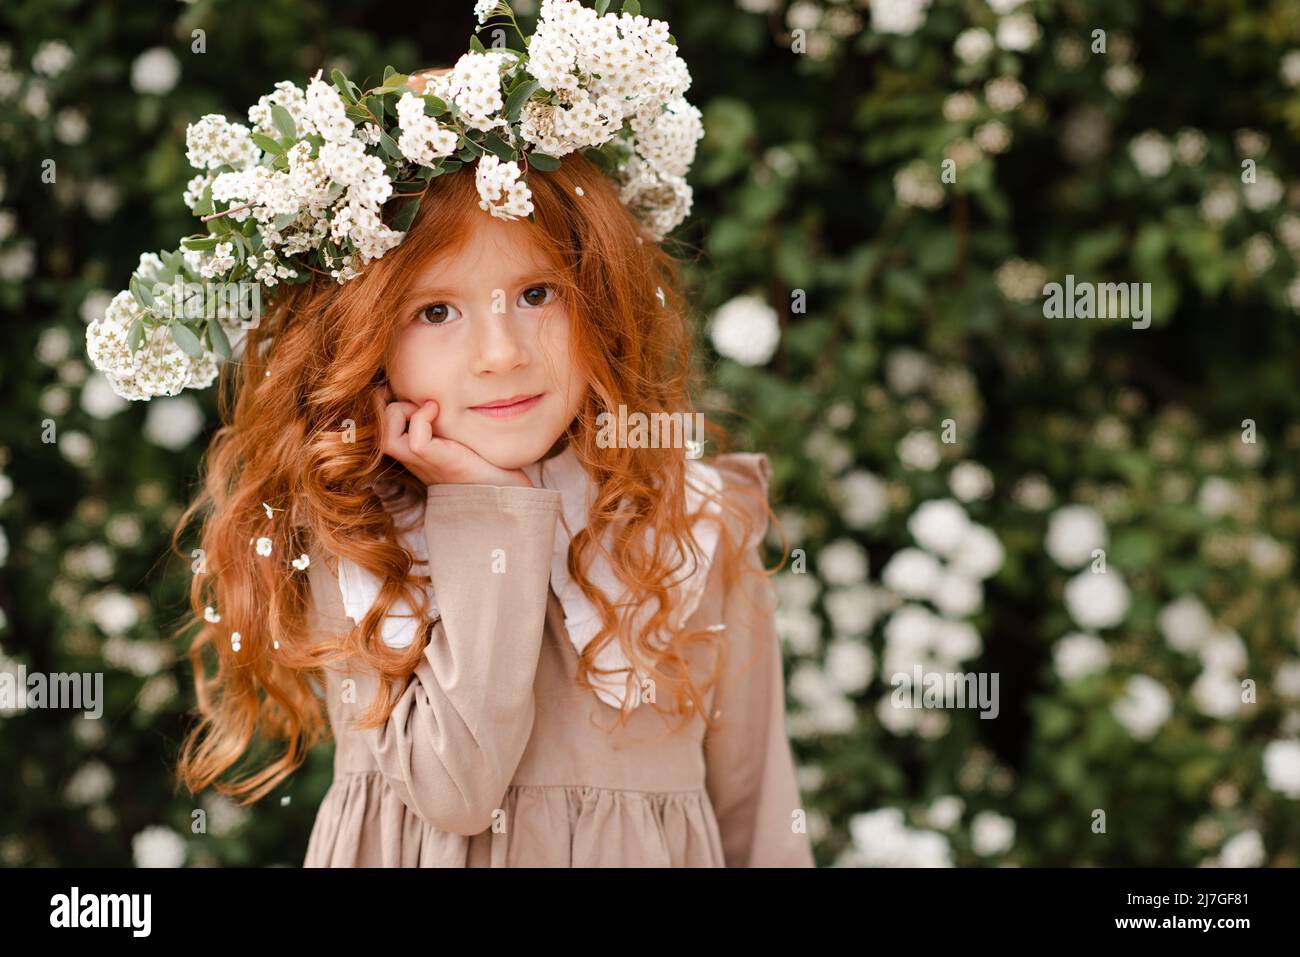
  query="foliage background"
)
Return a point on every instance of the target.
[{"x": 828, "y": 124}]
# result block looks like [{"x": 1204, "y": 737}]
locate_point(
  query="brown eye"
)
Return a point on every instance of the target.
[
  {"x": 433, "y": 318},
  {"x": 537, "y": 295}
]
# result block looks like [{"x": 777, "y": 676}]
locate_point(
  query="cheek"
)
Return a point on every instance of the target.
[
  {"x": 555, "y": 343},
  {"x": 415, "y": 367}
]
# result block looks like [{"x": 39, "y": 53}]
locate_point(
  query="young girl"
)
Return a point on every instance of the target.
[{"x": 534, "y": 639}]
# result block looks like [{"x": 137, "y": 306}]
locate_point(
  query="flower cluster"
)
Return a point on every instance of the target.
[{"x": 327, "y": 179}]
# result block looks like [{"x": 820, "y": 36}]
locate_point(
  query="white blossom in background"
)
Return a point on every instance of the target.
[
  {"x": 1020, "y": 280},
  {"x": 843, "y": 562},
  {"x": 1286, "y": 680},
  {"x": 173, "y": 423},
  {"x": 1151, "y": 154},
  {"x": 92, "y": 782},
  {"x": 1242, "y": 850},
  {"x": 825, "y": 709},
  {"x": 1018, "y": 32},
  {"x": 1185, "y": 623},
  {"x": 992, "y": 833},
  {"x": 939, "y": 525},
  {"x": 1073, "y": 532},
  {"x": 945, "y": 812},
  {"x": 1289, "y": 68},
  {"x": 113, "y": 611},
  {"x": 1097, "y": 601},
  {"x": 52, "y": 57},
  {"x": 1217, "y": 496},
  {"x": 903, "y": 17},
  {"x": 1144, "y": 707},
  {"x": 1217, "y": 693},
  {"x": 1079, "y": 655},
  {"x": 912, "y": 573},
  {"x": 158, "y": 846},
  {"x": 861, "y": 497},
  {"x": 746, "y": 330},
  {"x": 958, "y": 595},
  {"x": 1282, "y": 767},
  {"x": 973, "y": 45},
  {"x": 852, "y": 610},
  {"x": 970, "y": 482},
  {"x": 155, "y": 71},
  {"x": 907, "y": 370},
  {"x": 99, "y": 400},
  {"x": 882, "y": 839},
  {"x": 1265, "y": 192},
  {"x": 919, "y": 450},
  {"x": 980, "y": 553},
  {"x": 917, "y": 184},
  {"x": 849, "y": 664}
]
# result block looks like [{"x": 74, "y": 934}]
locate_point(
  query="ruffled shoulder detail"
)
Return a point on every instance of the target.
[{"x": 747, "y": 480}]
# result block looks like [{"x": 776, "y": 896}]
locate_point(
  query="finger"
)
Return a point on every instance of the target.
[
  {"x": 420, "y": 426},
  {"x": 394, "y": 428}
]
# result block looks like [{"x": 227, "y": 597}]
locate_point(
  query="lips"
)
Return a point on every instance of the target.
[
  {"x": 502, "y": 403},
  {"x": 505, "y": 408}
]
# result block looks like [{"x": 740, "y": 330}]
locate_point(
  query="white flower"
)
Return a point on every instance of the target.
[
  {"x": 862, "y": 498},
  {"x": 882, "y": 839},
  {"x": 939, "y": 525},
  {"x": 852, "y": 610},
  {"x": 1224, "y": 650},
  {"x": 1185, "y": 623},
  {"x": 52, "y": 57},
  {"x": 1217, "y": 496},
  {"x": 958, "y": 595},
  {"x": 970, "y": 481},
  {"x": 919, "y": 450},
  {"x": 1151, "y": 154},
  {"x": 912, "y": 573},
  {"x": 1097, "y": 601},
  {"x": 158, "y": 846},
  {"x": 264, "y": 546},
  {"x": 1145, "y": 707},
  {"x": 849, "y": 664},
  {"x": 210, "y": 614},
  {"x": 945, "y": 812},
  {"x": 1217, "y": 693},
  {"x": 1078, "y": 655},
  {"x": 1287, "y": 679},
  {"x": 1290, "y": 68},
  {"x": 1018, "y": 32},
  {"x": 155, "y": 71},
  {"x": 907, "y": 370},
  {"x": 1073, "y": 532},
  {"x": 843, "y": 562},
  {"x": 1282, "y": 767},
  {"x": 112, "y": 611},
  {"x": 172, "y": 423},
  {"x": 992, "y": 833},
  {"x": 301, "y": 562},
  {"x": 902, "y": 17},
  {"x": 980, "y": 554},
  {"x": 1243, "y": 850},
  {"x": 1265, "y": 192},
  {"x": 92, "y": 782},
  {"x": 973, "y": 45},
  {"x": 745, "y": 329}
]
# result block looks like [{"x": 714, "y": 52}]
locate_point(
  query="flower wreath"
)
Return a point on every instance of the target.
[{"x": 329, "y": 178}]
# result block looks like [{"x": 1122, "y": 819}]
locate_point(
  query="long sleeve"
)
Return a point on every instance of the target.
[
  {"x": 455, "y": 738},
  {"x": 750, "y": 774}
]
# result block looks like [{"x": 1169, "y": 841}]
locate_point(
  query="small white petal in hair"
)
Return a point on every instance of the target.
[{"x": 565, "y": 474}]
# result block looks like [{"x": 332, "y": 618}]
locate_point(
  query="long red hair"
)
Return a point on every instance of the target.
[{"x": 299, "y": 435}]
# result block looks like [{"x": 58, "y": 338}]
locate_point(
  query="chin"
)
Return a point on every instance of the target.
[{"x": 510, "y": 456}]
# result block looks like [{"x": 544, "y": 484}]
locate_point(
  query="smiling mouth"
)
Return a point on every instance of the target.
[{"x": 506, "y": 408}]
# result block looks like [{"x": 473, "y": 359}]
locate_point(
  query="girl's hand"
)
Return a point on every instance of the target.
[{"x": 406, "y": 433}]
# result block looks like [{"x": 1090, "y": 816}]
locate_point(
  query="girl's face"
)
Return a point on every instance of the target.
[{"x": 480, "y": 327}]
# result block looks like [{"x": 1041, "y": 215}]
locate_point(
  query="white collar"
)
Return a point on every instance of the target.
[{"x": 565, "y": 474}]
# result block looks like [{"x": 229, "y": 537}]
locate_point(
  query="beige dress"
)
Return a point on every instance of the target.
[{"x": 495, "y": 757}]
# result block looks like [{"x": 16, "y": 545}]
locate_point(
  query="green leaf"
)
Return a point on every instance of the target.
[
  {"x": 433, "y": 106},
  {"x": 283, "y": 121},
  {"x": 283, "y": 220},
  {"x": 518, "y": 96},
  {"x": 389, "y": 71},
  {"x": 220, "y": 343},
  {"x": 187, "y": 340},
  {"x": 200, "y": 242},
  {"x": 402, "y": 221},
  {"x": 341, "y": 84},
  {"x": 135, "y": 335},
  {"x": 269, "y": 145},
  {"x": 631, "y": 7},
  {"x": 389, "y": 146},
  {"x": 543, "y": 162},
  {"x": 496, "y": 145},
  {"x": 141, "y": 293},
  {"x": 601, "y": 7},
  {"x": 204, "y": 206},
  {"x": 476, "y": 44}
]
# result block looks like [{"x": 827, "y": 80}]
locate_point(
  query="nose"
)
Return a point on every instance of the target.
[{"x": 498, "y": 344}]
